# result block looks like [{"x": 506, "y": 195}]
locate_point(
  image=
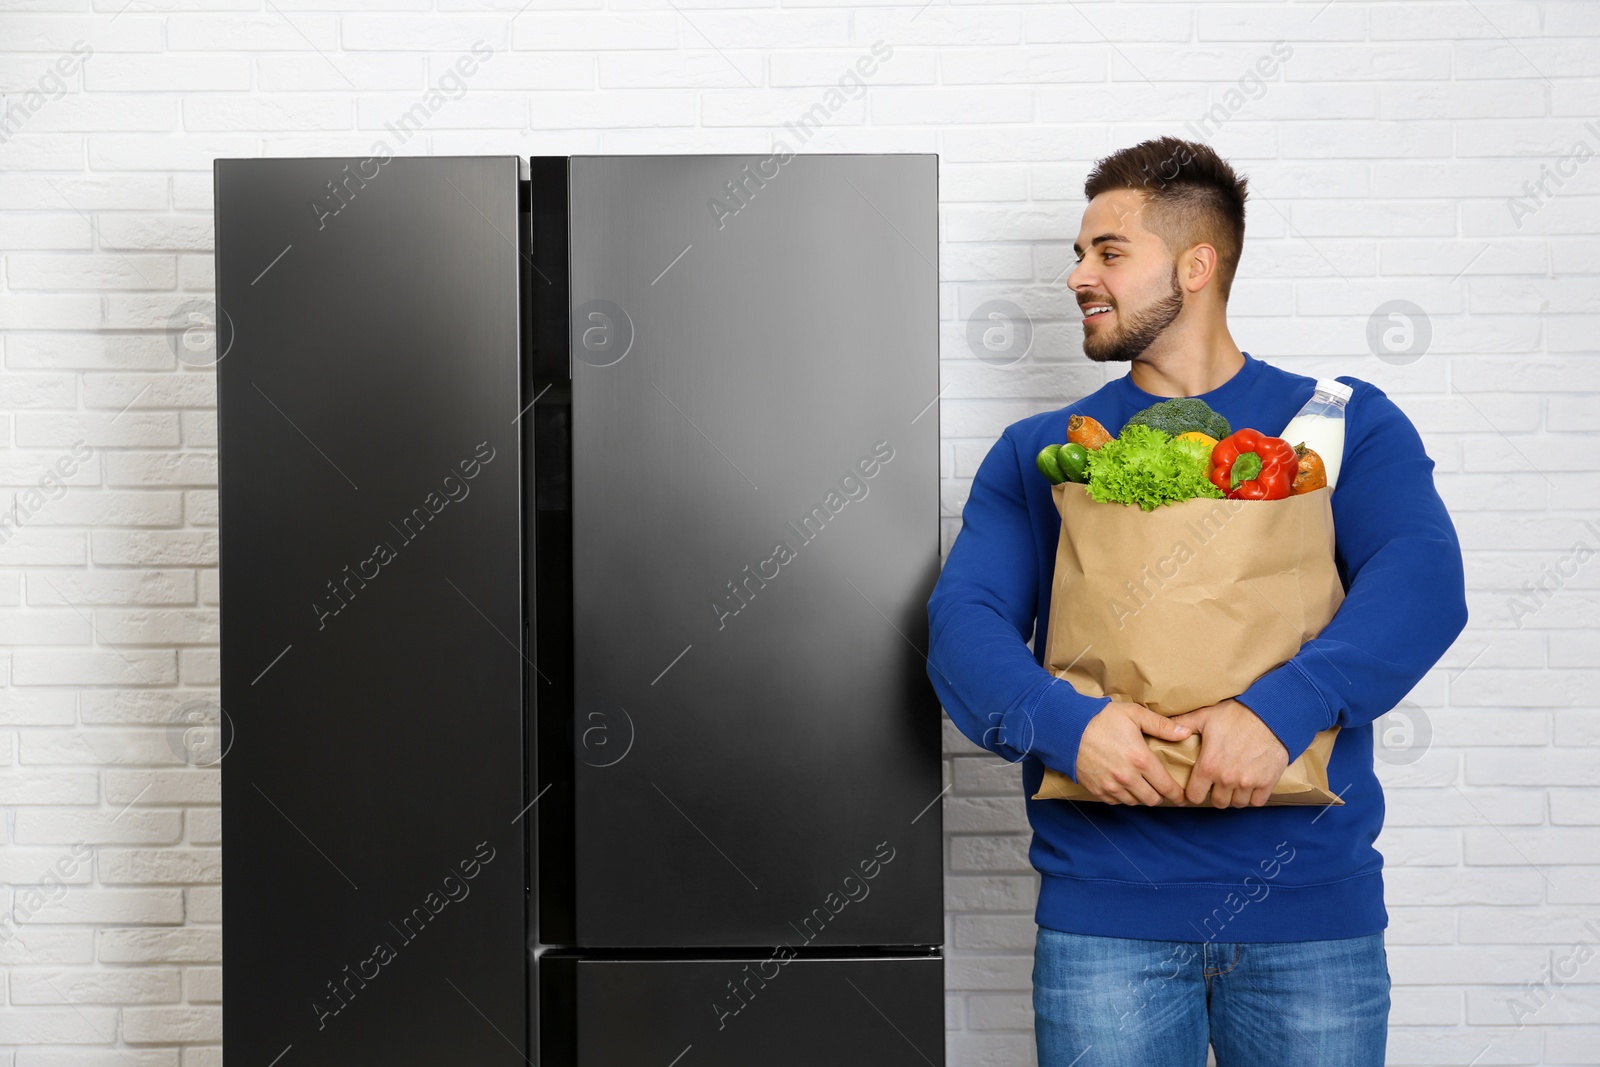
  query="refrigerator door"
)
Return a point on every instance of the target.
[
  {"x": 372, "y": 676},
  {"x": 755, "y": 534}
]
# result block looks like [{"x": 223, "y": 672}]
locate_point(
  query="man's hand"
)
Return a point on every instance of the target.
[
  {"x": 1240, "y": 758},
  {"x": 1115, "y": 762}
]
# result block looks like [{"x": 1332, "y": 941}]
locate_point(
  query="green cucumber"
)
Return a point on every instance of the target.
[
  {"x": 1074, "y": 462},
  {"x": 1049, "y": 465}
]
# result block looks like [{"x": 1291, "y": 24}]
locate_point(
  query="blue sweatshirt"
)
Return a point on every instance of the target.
[{"x": 1198, "y": 873}]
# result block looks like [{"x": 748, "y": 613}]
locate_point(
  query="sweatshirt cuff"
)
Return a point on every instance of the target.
[
  {"x": 1291, "y": 705},
  {"x": 1060, "y": 715}
]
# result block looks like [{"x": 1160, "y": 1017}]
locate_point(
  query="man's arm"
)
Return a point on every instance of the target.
[
  {"x": 1407, "y": 598},
  {"x": 979, "y": 617}
]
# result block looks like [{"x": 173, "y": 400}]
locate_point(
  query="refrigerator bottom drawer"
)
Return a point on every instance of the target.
[{"x": 777, "y": 1010}]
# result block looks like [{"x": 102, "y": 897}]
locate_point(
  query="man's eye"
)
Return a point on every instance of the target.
[{"x": 1107, "y": 255}]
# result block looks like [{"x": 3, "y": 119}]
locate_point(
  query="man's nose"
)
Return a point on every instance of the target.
[{"x": 1079, "y": 277}]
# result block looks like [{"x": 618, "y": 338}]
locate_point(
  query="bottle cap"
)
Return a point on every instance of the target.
[{"x": 1335, "y": 388}]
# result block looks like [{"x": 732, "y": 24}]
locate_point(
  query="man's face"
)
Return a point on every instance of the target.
[{"x": 1123, "y": 267}]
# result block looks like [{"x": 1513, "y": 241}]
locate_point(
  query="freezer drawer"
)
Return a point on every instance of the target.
[{"x": 776, "y": 1009}]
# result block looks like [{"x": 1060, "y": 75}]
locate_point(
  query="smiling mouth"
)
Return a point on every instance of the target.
[{"x": 1096, "y": 312}]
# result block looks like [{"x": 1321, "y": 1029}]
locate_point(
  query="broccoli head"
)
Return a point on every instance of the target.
[{"x": 1182, "y": 414}]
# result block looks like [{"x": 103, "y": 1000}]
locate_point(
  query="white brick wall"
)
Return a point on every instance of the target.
[{"x": 1382, "y": 155}]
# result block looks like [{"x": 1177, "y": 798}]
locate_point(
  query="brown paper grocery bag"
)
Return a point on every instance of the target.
[{"x": 1186, "y": 606}]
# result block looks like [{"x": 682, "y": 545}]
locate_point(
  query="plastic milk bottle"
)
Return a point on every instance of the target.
[{"x": 1320, "y": 425}]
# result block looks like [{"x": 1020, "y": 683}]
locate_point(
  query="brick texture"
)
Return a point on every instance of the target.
[{"x": 1438, "y": 153}]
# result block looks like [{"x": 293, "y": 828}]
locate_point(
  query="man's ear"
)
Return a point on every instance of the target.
[{"x": 1199, "y": 267}]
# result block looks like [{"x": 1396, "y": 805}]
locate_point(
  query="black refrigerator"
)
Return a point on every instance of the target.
[{"x": 578, "y": 518}]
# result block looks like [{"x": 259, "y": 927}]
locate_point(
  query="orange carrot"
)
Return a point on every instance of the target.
[{"x": 1085, "y": 431}]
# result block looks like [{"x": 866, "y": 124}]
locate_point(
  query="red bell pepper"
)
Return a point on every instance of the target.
[{"x": 1248, "y": 465}]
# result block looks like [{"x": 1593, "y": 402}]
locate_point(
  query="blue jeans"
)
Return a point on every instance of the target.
[{"x": 1125, "y": 1002}]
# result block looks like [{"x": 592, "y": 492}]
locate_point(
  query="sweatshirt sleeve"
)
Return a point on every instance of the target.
[
  {"x": 980, "y": 615},
  {"x": 1406, "y": 598}
]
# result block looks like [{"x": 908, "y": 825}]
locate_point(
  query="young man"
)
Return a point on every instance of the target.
[{"x": 1257, "y": 927}]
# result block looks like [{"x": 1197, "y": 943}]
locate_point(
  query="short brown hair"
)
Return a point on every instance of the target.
[{"x": 1194, "y": 197}]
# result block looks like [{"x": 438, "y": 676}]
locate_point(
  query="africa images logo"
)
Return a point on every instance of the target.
[{"x": 454, "y": 889}]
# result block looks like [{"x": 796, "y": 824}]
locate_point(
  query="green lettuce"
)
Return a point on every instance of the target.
[{"x": 1144, "y": 466}]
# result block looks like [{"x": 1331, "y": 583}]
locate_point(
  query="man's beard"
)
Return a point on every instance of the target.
[{"x": 1135, "y": 331}]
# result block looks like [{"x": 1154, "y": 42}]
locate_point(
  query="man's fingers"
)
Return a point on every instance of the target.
[
  {"x": 1163, "y": 783},
  {"x": 1131, "y": 788},
  {"x": 1231, "y": 796},
  {"x": 1158, "y": 725},
  {"x": 1147, "y": 796},
  {"x": 1117, "y": 792}
]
